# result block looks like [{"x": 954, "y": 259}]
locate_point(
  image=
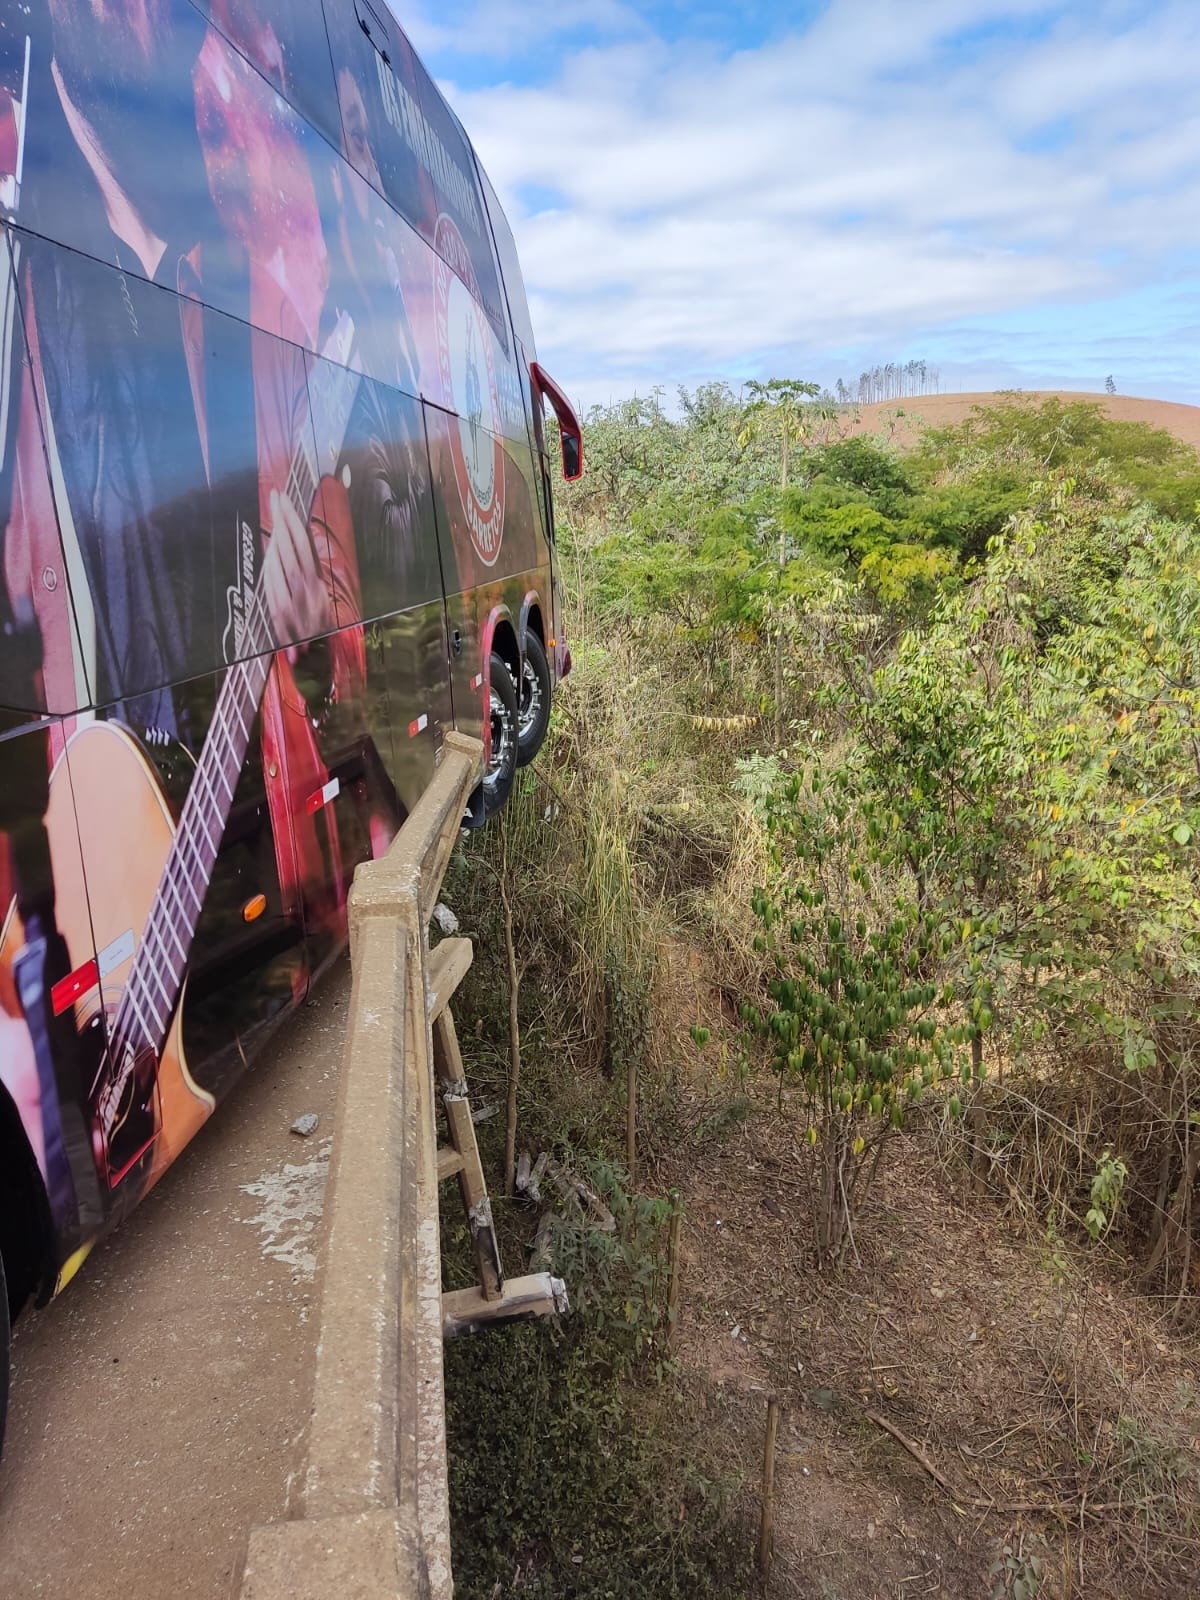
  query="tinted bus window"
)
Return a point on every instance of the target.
[
  {"x": 150, "y": 404},
  {"x": 41, "y": 659},
  {"x": 375, "y": 503},
  {"x": 510, "y": 267},
  {"x": 402, "y": 137},
  {"x": 287, "y": 42},
  {"x": 459, "y": 202},
  {"x": 216, "y": 167},
  {"x": 376, "y": 82},
  {"x": 377, "y": 278},
  {"x": 133, "y": 88}
]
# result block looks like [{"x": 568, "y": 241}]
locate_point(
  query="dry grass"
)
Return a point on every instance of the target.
[{"x": 1058, "y": 1410}]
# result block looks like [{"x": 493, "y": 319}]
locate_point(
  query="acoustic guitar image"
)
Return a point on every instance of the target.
[{"x": 132, "y": 923}]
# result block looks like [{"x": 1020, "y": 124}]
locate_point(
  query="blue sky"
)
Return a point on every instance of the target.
[{"x": 1009, "y": 189}]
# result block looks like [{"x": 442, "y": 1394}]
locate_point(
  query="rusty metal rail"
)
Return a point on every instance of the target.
[{"x": 373, "y": 1517}]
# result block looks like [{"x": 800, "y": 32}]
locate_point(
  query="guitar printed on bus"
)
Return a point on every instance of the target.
[{"x": 145, "y": 904}]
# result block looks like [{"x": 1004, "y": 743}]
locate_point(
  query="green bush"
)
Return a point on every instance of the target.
[{"x": 578, "y": 1468}]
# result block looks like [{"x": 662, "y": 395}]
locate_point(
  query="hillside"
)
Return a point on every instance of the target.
[{"x": 903, "y": 419}]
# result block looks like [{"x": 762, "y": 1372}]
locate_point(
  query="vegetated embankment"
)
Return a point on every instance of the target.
[{"x": 852, "y": 904}]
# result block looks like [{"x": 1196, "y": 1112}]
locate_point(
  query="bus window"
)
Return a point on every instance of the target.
[
  {"x": 129, "y": 93},
  {"x": 460, "y": 201},
  {"x": 376, "y": 90},
  {"x": 214, "y": 164},
  {"x": 42, "y": 663},
  {"x": 510, "y": 267},
  {"x": 375, "y": 279},
  {"x": 180, "y": 432},
  {"x": 402, "y": 137},
  {"x": 376, "y": 503},
  {"x": 287, "y": 42}
]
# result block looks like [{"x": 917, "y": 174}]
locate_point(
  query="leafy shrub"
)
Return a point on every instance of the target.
[{"x": 574, "y": 1469}]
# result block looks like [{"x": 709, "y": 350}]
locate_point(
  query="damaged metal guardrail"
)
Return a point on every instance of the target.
[{"x": 373, "y": 1516}]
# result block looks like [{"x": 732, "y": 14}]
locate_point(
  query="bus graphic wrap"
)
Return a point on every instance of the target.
[
  {"x": 271, "y": 496},
  {"x": 468, "y": 373}
]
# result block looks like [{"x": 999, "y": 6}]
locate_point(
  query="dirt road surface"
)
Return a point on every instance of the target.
[{"x": 160, "y": 1404}]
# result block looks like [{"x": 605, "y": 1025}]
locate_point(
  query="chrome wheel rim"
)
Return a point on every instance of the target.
[
  {"x": 502, "y": 740},
  {"x": 531, "y": 699}
]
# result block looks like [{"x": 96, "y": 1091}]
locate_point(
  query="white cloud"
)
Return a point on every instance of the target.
[
  {"x": 502, "y": 28},
  {"x": 868, "y": 183}
]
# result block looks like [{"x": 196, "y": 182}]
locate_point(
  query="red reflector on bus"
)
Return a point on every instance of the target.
[
  {"x": 67, "y": 990},
  {"x": 115, "y": 1177},
  {"x": 323, "y": 796}
]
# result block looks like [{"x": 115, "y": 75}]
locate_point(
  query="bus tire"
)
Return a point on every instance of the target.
[
  {"x": 494, "y": 790},
  {"x": 534, "y": 700},
  {"x": 5, "y": 1351}
]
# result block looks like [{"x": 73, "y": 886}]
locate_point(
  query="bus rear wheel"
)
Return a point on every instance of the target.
[
  {"x": 504, "y": 717},
  {"x": 534, "y": 700}
]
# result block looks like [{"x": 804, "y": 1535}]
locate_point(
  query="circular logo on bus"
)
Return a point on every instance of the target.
[{"x": 468, "y": 372}]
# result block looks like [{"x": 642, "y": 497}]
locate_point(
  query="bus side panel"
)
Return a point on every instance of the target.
[
  {"x": 487, "y": 524},
  {"x": 342, "y": 796},
  {"x": 179, "y": 414},
  {"x": 418, "y": 677},
  {"x": 456, "y": 504},
  {"x": 314, "y": 797},
  {"x": 147, "y": 812},
  {"x": 376, "y": 506},
  {"x": 49, "y": 1051}
]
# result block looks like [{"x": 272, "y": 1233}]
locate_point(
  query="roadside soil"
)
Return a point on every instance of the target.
[
  {"x": 1048, "y": 1410},
  {"x": 160, "y": 1406}
]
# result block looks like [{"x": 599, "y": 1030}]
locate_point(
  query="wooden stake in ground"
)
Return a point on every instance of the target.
[
  {"x": 514, "y": 1026},
  {"x": 631, "y": 1120},
  {"x": 766, "y": 1526},
  {"x": 673, "y": 1253}
]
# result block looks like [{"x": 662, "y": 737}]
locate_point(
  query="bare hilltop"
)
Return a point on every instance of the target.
[{"x": 903, "y": 420}]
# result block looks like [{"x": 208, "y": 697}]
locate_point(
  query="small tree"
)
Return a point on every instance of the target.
[
  {"x": 855, "y": 1015},
  {"x": 781, "y": 409}
]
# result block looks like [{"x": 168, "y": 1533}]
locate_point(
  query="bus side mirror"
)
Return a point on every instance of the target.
[
  {"x": 572, "y": 456},
  {"x": 571, "y": 434}
]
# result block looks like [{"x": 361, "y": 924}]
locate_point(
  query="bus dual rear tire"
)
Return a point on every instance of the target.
[
  {"x": 492, "y": 793},
  {"x": 534, "y": 700}
]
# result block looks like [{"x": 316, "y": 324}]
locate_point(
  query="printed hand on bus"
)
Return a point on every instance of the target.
[{"x": 294, "y": 582}]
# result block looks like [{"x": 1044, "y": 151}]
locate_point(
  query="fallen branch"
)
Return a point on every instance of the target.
[{"x": 1044, "y": 1508}]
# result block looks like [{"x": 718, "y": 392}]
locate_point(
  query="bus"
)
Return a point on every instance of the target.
[{"x": 275, "y": 514}]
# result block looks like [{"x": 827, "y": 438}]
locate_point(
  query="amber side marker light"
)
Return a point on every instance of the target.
[{"x": 253, "y": 909}]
